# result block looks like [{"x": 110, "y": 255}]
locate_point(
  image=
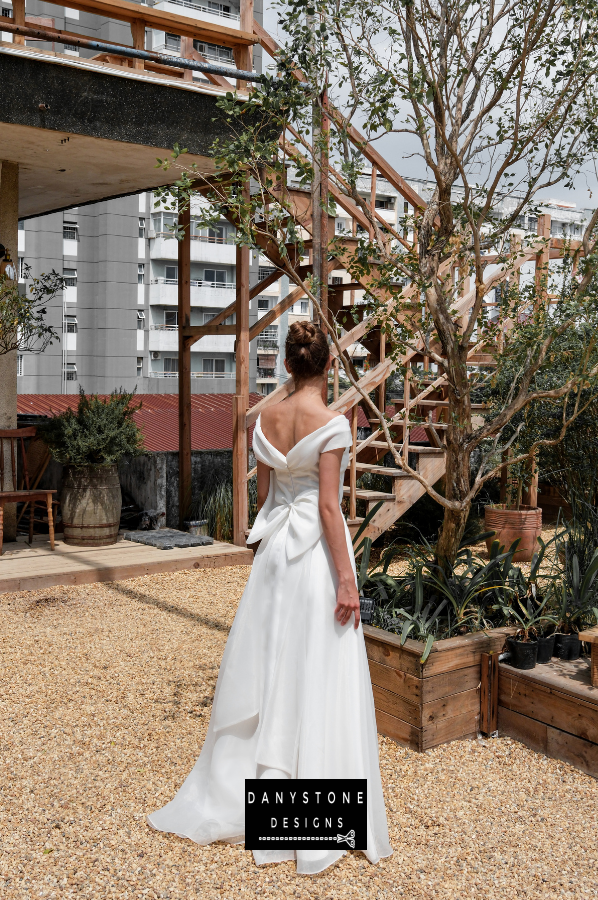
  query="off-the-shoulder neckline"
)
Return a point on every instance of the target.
[{"x": 311, "y": 434}]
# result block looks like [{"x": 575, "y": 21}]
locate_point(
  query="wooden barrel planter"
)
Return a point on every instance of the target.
[
  {"x": 524, "y": 523},
  {"x": 91, "y": 503},
  {"x": 426, "y": 704}
]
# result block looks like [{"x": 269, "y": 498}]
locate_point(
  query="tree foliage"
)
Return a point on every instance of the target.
[
  {"x": 499, "y": 102},
  {"x": 23, "y": 323},
  {"x": 99, "y": 433}
]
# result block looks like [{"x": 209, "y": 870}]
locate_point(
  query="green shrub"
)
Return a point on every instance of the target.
[{"x": 98, "y": 434}]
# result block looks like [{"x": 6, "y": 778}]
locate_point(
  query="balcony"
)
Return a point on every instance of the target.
[
  {"x": 165, "y": 338},
  {"x": 203, "y": 249},
  {"x": 266, "y": 346},
  {"x": 212, "y": 294},
  {"x": 219, "y": 375},
  {"x": 205, "y": 12},
  {"x": 265, "y": 373}
]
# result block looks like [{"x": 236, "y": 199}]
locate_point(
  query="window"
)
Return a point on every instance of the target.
[
  {"x": 213, "y": 367},
  {"x": 70, "y": 231},
  {"x": 213, "y": 51},
  {"x": 69, "y": 325},
  {"x": 19, "y": 355},
  {"x": 385, "y": 203},
  {"x": 7, "y": 13},
  {"x": 139, "y": 366},
  {"x": 163, "y": 223},
  {"x": 22, "y": 268},
  {"x": 70, "y": 277},
  {"x": 336, "y": 279},
  {"x": 217, "y": 277},
  {"x": 171, "y": 318},
  {"x": 70, "y": 372},
  {"x": 172, "y": 275},
  {"x": 263, "y": 303},
  {"x": 70, "y": 48},
  {"x": 141, "y": 227},
  {"x": 207, "y": 317},
  {"x": 140, "y": 273},
  {"x": 304, "y": 307},
  {"x": 171, "y": 365},
  {"x": 172, "y": 41},
  {"x": 140, "y": 320},
  {"x": 214, "y": 235},
  {"x": 265, "y": 271}
]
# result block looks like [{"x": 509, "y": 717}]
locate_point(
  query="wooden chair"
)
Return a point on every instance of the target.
[
  {"x": 9, "y": 437},
  {"x": 591, "y": 636}
]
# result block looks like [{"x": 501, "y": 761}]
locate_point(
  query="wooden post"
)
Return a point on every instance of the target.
[
  {"x": 543, "y": 259},
  {"x": 353, "y": 470},
  {"x": 335, "y": 384},
  {"x": 373, "y": 200},
  {"x": 406, "y": 399},
  {"x": 138, "y": 35},
  {"x": 186, "y": 53},
  {"x": 530, "y": 495},
  {"x": 382, "y": 386},
  {"x": 184, "y": 320},
  {"x": 489, "y": 694},
  {"x": 504, "y": 477},
  {"x": 18, "y": 12},
  {"x": 241, "y": 399},
  {"x": 244, "y": 55}
]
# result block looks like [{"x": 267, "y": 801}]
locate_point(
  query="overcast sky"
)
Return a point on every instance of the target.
[{"x": 399, "y": 149}]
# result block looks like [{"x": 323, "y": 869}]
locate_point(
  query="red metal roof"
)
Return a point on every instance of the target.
[{"x": 211, "y": 417}]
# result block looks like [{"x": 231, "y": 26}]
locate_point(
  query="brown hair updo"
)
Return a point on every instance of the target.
[{"x": 306, "y": 350}]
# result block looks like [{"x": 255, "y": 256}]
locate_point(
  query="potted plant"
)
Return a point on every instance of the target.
[
  {"x": 89, "y": 443},
  {"x": 529, "y": 615},
  {"x": 575, "y": 608},
  {"x": 513, "y": 520}
]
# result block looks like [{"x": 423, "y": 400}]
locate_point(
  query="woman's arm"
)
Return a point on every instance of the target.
[
  {"x": 347, "y": 595},
  {"x": 263, "y": 483}
]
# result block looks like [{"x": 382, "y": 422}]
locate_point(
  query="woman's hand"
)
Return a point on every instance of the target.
[{"x": 347, "y": 602}]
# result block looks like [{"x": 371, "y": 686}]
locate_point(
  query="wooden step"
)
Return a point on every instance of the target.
[
  {"x": 413, "y": 448},
  {"x": 370, "y": 496},
  {"x": 380, "y": 470},
  {"x": 441, "y": 404}
]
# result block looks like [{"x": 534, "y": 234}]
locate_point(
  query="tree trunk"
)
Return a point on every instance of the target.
[
  {"x": 451, "y": 534},
  {"x": 457, "y": 476}
]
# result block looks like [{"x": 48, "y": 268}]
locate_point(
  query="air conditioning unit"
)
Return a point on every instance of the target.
[
  {"x": 155, "y": 354},
  {"x": 151, "y": 233}
]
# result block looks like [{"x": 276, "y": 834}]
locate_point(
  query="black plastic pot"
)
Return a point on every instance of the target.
[
  {"x": 366, "y": 610},
  {"x": 567, "y": 646},
  {"x": 523, "y": 655},
  {"x": 545, "y": 648}
]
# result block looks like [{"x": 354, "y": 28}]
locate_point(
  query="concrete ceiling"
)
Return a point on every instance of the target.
[
  {"x": 83, "y": 131},
  {"x": 58, "y": 170}
]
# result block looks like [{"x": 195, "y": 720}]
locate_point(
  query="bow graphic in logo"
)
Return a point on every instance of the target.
[{"x": 347, "y": 839}]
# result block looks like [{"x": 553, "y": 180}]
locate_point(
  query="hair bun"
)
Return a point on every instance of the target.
[{"x": 302, "y": 333}]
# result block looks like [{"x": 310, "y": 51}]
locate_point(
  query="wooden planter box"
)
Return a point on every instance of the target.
[
  {"x": 553, "y": 709},
  {"x": 426, "y": 704}
]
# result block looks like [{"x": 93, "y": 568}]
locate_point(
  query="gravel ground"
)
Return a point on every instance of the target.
[{"x": 104, "y": 702}]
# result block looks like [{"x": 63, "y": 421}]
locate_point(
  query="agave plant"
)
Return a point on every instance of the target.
[
  {"x": 421, "y": 623},
  {"x": 577, "y": 595}
]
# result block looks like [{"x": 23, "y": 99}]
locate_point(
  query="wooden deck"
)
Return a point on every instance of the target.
[
  {"x": 554, "y": 709},
  {"x": 25, "y": 568}
]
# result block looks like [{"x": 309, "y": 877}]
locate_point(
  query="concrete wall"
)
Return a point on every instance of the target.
[{"x": 153, "y": 480}]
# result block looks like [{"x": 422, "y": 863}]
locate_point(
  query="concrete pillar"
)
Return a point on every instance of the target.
[{"x": 9, "y": 236}]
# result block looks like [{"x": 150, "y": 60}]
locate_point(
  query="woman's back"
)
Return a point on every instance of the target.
[{"x": 289, "y": 422}]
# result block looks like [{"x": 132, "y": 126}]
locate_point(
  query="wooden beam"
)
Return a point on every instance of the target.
[
  {"x": 241, "y": 399},
  {"x": 138, "y": 36},
  {"x": 184, "y": 318},
  {"x": 19, "y": 19},
  {"x": 194, "y": 332},
  {"x": 160, "y": 20}
]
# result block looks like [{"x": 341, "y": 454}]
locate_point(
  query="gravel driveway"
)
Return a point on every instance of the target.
[{"x": 104, "y": 701}]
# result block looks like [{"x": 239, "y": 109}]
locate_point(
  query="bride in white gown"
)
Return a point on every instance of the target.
[{"x": 294, "y": 696}]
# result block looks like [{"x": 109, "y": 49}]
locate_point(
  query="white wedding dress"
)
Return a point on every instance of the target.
[{"x": 294, "y": 696}]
